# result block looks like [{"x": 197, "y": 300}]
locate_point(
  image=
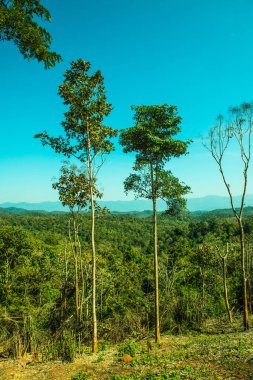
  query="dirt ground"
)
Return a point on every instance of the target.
[{"x": 214, "y": 356}]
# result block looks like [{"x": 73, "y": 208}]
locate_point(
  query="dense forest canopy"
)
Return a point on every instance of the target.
[{"x": 38, "y": 277}]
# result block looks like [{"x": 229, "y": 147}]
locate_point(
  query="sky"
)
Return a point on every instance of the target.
[{"x": 194, "y": 54}]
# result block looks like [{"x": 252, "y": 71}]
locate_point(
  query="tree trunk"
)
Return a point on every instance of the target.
[
  {"x": 248, "y": 270},
  {"x": 94, "y": 313},
  {"x": 202, "y": 275},
  {"x": 74, "y": 250},
  {"x": 93, "y": 252},
  {"x": 224, "y": 271},
  {"x": 82, "y": 291},
  {"x": 244, "y": 278},
  {"x": 76, "y": 272},
  {"x": 157, "y": 318},
  {"x": 76, "y": 290},
  {"x": 65, "y": 282}
]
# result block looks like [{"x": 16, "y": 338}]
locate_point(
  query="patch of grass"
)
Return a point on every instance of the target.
[
  {"x": 226, "y": 355},
  {"x": 82, "y": 375},
  {"x": 100, "y": 359}
]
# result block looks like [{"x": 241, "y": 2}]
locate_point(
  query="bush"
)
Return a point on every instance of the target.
[
  {"x": 67, "y": 348},
  {"x": 63, "y": 348},
  {"x": 129, "y": 347}
]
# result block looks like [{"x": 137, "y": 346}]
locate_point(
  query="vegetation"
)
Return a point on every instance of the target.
[
  {"x": 38, "y": 279},
  {"x": 17, "y": 24},
  {"x": 84, "y": 278},
  {"x": 86, "y": 139},
  {"x": 152, "y": 139},
  {"x": 37, "y": 319},
  {"x": 238, "y": 128}
]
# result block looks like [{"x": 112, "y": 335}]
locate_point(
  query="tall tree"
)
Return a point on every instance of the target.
[
  {"x": 86, "y": 138},
  {"x": 152, "y": 139},
  {"x": 238, "y": 128},
  {"x": 17, "y": 24}
]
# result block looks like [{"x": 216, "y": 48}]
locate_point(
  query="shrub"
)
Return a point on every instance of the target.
[{"x": 128, "y": 347}]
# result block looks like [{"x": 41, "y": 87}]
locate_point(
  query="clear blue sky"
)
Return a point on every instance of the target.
[{"x": 195, "y": 54}]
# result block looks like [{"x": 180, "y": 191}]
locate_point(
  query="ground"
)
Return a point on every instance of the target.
[{"x": 214, "y": 355}]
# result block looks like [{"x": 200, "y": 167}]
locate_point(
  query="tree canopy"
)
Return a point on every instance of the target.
[
  {"x": 17, "y": 24},
  {"x": 152, "y": 138}
]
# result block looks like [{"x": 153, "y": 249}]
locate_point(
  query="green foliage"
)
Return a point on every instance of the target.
[
  {"x": 152, "y": 140},
  {"x": 17, "y": 24},
  {"x": 85, "y": 134},
  {"x": 172, "y": 375},
  {"x": 67, "y": 346},
  {"x": 85, "y": 137},
  {"x": 33, "y": 281},
  {"x": 62, "y": 347},
  {"x": 156, "y": 125},
  {"x": 72, "y": 187},
  {"x": 100, "y": 358},
  {"x": 82, "y": 375},
  {"x": 129, "y": 347}
]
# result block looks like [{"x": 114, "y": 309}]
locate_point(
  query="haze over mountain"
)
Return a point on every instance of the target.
[{"x": 208, "y": 203}]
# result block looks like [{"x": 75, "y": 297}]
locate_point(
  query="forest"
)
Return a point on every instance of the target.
[
  {"x": 130, "y": 296},
  {"x": 46, "y": 295}
]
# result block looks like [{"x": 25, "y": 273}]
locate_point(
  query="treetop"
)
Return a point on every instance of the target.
[{"x": 152, "y": 135}]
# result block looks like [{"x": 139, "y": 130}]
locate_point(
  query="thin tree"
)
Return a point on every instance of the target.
[
  {"x": 19, "y": 23},
  {"x": 224, "y": 255},
  {"x": 214, "y": 247},
  {"x": 73, "y": 191},
  {"x": 239, "y": 128},
  {"x": 152, "y": 139},
  {"x": 86, "y": 138}
]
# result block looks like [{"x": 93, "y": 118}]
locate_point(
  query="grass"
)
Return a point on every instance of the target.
[{"x": 220, "y": 352}]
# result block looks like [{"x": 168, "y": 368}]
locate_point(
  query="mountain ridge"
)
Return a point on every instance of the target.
[{"x": 207, "y": 203}]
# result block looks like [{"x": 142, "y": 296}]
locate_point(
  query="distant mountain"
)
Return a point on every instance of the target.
[
  {"x": 14, "y": 210},
  {"x": 114, "y": 206},
  {"x": 208, "y": 203},
  {"x": 42, "y": 206},
  {"x": 214, "y": 202}
]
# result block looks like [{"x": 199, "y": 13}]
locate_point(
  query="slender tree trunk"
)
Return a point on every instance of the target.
[
  {"x": 82, "y": 290},
  {"x": 76, "y": 290},
  {"x": 157, "y": 318},
  {"x": 64, "y": 291},
  {"x": 101, "y": 298},
  {"x": 94, "y": 312},
  {"x": 249, "y": 260},
  {"x": 244, "y": 277},
  {"x": 93, "y": 259},
  {"x": 74, "y": 250},
  {"x": 202, "y": 275},
  {"x": 76, "y": 271},
  {"x": 224, "y": 271}
]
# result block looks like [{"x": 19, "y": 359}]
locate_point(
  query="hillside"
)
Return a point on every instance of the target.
[{"x": 200, "y": 215}]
